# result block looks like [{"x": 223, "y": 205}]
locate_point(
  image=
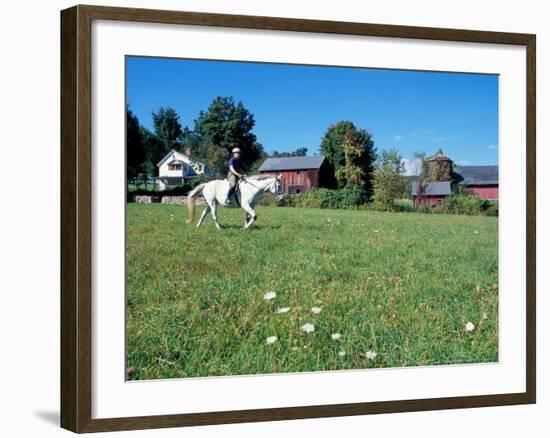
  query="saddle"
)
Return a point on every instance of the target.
[{"x": 233, "y": 193}]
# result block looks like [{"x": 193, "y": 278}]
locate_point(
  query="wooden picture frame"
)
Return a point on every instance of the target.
[{"x": 76, "y": 217}]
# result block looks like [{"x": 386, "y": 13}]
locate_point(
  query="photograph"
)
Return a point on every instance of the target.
[{"x": 290, "y": 218}]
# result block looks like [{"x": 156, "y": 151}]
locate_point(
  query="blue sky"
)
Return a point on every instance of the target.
[{"x": 294, "y": 105}]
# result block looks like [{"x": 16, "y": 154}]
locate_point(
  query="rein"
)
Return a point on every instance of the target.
[{"x": 254, "y": 185}]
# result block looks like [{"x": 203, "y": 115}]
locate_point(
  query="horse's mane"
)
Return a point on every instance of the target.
[{"x": 260, "y": 177}]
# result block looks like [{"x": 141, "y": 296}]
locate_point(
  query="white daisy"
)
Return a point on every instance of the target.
[
  {"x": 282, "y": 310},
  {"x": 308, "y": 328},
  {"x": 371, "y": 354},
  {"x": 341, "y": 353},
  {"x": 316, "y": 309},
  {"x": 476, "y": 232},
  {"x": 336, "y": 336},
  {"x": 470, "y": 326},
  {"x": 270, "y": 295},
  {"x": 271, "y": 339}
]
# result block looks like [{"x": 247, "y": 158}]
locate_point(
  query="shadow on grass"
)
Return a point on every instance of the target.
[{"x": 252, "y": 228}]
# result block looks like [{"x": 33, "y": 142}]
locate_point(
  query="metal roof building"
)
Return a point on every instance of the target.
[
  {"x": 436, "y": 188},
  {"x": 291, "y": 163},
  {"x": 477, "y": 175}
]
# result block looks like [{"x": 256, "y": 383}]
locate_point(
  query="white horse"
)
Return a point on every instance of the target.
[{"x": 248, "y": 193}]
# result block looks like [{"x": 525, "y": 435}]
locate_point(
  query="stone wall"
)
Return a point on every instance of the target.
[
  {"x": 142, "y": 199},
  {"x": 174, "y": 200},
  {"x": 179, "y": 200}
]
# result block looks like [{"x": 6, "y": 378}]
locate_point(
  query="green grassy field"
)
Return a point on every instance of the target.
[{"x": 400, "y": 289}]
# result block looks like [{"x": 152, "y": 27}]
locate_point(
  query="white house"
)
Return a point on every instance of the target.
[{"x": 176, "y": 166}]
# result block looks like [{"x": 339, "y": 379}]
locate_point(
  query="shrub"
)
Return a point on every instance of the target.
[
  {"x": 469, "y": 204},
  {"x": 326, "y": 198},
  {"x": 398, "y": 205},
  {"x": 269, "y": 199},
  {"x": 492, "y": 210}
]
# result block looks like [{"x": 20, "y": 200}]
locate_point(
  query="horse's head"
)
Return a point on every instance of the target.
[{"x": 277, "y": 188}]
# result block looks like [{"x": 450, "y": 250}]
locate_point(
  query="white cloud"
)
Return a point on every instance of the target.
[
  {"x": 492, "y": 146},
  {"x": 398, "y": 137},
  {"x": 462, "y": 162}
]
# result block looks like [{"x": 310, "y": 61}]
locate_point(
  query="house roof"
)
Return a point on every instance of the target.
[
  {"x": 177, "y": 156},
  {"x": 435, "y": 188},
  {"x": 476, "y": 175},
  {"x": 292, "y": 163}
]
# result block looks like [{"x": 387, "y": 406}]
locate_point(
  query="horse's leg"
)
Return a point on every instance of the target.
[
  {"x": 203, "y": 215},
  {"x": 214, "y": 209},
  {"x": 246, "y": 218},
  {"x": 251, "y": 213}
]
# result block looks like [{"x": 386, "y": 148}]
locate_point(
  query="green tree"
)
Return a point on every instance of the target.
[
  {"x": 351, "y": 174},
  {"x": 167, "y": 127},
  {"x": 418, "y": 164},
  {"x": 300, "y": 152},
  {"x": 226, "y": 125},
  {"x": 135, "y": 152},
  {"x": 389, "y": 183},
  {"x": 216, "y": 158},
  {"x": 153, "y": 151},
  {"x": 332, "y": 148},
  {"x": 192, "y": 140}
]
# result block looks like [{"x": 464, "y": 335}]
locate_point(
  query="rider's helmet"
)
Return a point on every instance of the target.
[{"x": 235, "y": 150}]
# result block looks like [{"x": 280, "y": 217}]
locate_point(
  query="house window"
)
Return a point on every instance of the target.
[{"x": 174, "y": 167}]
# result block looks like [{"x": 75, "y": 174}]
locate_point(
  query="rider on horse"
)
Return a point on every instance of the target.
[{"x": 235, "y": 173}]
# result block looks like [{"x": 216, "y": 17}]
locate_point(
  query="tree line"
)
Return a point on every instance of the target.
[
  {"x": 226, "y": 124},
  {"x": 352, "y": 160}
]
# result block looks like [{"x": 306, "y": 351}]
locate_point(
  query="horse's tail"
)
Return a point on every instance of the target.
[{"x": 191, "y": 201}]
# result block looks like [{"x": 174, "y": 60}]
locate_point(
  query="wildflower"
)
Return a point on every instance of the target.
[
  {"x": 376, "y": 231},
  {"x": 282, "y": 309},
  {"x": 316, "y": 309},
  {"x": 470, "y": 326},
  {"x": 270, "y": 295},
  {"x": 341, "y": 353},
  {"x": 371, "y": 354},
  {"x": 336, "y": 336},
  {"x": 271, "y": 339},
  {"x": 308, "y": 328},
  {"x": 476, "y": 232}
]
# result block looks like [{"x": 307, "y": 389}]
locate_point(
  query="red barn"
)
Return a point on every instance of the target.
[
  {"x": 482, "y": 180},
  {"x": 432, "y": 194},
  {"x": 298, "y": 174}
]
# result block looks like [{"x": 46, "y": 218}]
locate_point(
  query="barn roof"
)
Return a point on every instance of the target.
[
  {"x": 292, "y": 163},
  {"x": 477, "y": 175},
  {"x": 436, "y": 188}
]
